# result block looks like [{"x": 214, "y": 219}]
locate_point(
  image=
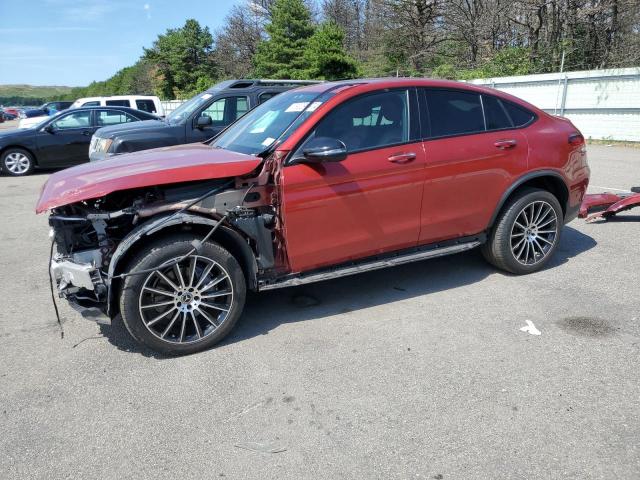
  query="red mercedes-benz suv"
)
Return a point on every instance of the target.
[{"x": 328, "y": 180}]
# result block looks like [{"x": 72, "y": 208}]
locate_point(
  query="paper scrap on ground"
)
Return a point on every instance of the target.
[
  {"x": 261, "y": 447},
  {"x": 531, "y": 329}
]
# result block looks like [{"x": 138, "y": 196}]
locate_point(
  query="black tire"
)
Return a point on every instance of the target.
[
  {"x": 189, "y": 339},
  {"x": 502, "y": 246},
  {"x": 17, "y": 162}
]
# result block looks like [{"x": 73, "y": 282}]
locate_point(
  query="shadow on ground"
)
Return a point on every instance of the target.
[{"x": 267, "y": 310}]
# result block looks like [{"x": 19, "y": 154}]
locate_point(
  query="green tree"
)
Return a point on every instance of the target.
[
  {"x": 326, "y": 56},
  {"x": 282, "y": 55},
  {"x": 181, "y": 58}
]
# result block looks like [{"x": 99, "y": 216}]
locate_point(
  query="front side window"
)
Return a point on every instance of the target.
[
  {"x": 91, "y": 104},
  {"x": 73, "y": 120},
  {"x": 370, "y": 121},
  {"x": 104, "y": 118},
  {"x": 226, "y": 110},
  {"x": 454, "y": 112}
]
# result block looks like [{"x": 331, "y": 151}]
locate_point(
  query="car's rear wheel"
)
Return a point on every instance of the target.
[
  {"x": 185, "y": 307},
  {"x": 526, "y": 233},
  {"x": 17, "y": 162}
]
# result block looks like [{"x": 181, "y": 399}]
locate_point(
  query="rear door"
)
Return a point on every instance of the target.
[
  {"x": 222, "y": 111},
  {"x": 68, "y": 142},
  {"x": 473, "y": 153},
  {"x": 368, "y": 203}
]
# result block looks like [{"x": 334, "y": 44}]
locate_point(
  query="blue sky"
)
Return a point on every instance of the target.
[{"x": 73, "y": 42}]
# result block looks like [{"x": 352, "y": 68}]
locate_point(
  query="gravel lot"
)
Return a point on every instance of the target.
[{"x": 419, "y": 371}]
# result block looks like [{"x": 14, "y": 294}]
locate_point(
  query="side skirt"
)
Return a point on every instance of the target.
[{"x": 375, "y": 263}]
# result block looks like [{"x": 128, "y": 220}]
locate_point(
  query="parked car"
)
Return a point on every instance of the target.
[
  {"x": 320, "y": 182},
  {"x": 146, "y": 103},
  {"x": 9, "y": 116},
  {"x": 31, "y": 117},
  {"x": 196, "y": 120},
  {"x": 61, "y": 140},
  {"x": 12, "y": 111}
]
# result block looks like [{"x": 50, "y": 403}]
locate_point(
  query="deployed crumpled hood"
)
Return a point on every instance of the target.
[{"x": 160, "y": 166}]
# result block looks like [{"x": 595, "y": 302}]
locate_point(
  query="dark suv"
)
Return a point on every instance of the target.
[{"x": 196, "y": 120}]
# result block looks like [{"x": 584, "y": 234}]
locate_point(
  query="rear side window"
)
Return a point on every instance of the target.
[
  {"x": 146, "y": 106},
  {"x": 454, "y": 112},
  {"x": 520, "y": 116},
  {"x": 266, "y": 96},
  {"x": 495, "y": 114},
  {"x": 118, "y": 103},
  {"x": 104, "y": 118}
]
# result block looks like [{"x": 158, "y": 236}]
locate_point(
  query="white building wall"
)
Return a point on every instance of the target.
[{"x": 603, "y": 104}]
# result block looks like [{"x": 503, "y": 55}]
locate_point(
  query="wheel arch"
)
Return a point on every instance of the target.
[
  {"x": 159, "y": 226},
  {"x": 21, "y": 147},
  {"x": 548, "y": 180}
]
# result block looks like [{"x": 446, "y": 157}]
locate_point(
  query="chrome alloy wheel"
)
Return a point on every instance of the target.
[
  {"x": 17, "y": 163},
  {"x": 534, "y": 232},
  {"x": 186, "y": 302}
]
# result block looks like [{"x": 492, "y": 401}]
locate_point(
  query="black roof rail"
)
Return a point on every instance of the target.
[{"x": 246, "y": 83}]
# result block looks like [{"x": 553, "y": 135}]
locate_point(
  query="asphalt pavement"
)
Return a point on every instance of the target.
[{"x": 420, "y": 371}]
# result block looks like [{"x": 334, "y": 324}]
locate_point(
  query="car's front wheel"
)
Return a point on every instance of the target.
[
  {"x": 185, "y": 307},
  {"x": 526, "y": 233},
  {"x": 17, "y": 162}
]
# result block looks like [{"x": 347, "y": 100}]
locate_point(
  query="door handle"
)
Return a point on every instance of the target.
[
  {"x": 505, "y": 144},
  {"x": 402, "y": 157}
]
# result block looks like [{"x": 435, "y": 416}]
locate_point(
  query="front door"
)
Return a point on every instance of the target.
[
  {"x": 222, "y": 112},
  {"x": 368, "y": 203},
  {"x": 67, "y": 142}
]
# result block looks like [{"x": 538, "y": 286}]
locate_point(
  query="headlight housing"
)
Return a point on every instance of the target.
[{"x": 100, "y": 145}]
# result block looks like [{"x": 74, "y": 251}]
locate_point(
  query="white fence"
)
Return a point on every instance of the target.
[
  {"x": 170, "y": 105},
  {"x": 603, "y": 104}
]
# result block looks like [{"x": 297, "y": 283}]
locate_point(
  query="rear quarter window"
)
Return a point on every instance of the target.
[
  {"x": 495, "y": 114},
  {"x": 519, "y": 115}
]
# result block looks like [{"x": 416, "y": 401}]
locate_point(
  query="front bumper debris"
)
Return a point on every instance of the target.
[
  {"x": 604, "y": 205},
  {"x": 81, "y": 284}
]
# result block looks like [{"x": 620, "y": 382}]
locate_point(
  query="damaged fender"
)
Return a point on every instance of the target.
[{"x": 160, "y": 223}]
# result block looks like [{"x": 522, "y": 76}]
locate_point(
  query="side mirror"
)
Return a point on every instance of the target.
[
  {"x": 203, "y": 121},
  {"x": 324, "y": 149},
  {"x": 50, "y": 128}
]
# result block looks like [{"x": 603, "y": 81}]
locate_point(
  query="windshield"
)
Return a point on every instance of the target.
[
  {"x": 181, "y": 113},
  {"x": 261, "y": 127}
]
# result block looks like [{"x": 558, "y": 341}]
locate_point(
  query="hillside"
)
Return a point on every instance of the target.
[
  {"x": 31, "y": 91},
  {"x": 30, "y": 94}
]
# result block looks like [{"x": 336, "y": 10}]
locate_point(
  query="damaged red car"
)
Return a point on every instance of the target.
[{"x": 319, "y": 182}]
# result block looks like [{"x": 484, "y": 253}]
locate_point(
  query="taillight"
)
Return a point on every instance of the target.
[{"x": 576, "y": 139}]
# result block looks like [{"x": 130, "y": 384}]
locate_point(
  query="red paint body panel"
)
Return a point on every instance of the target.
[
  {"x": 361, "y": 206},
  {"x": 182, "y": 163},
  {"x": 610, "y": 203},
  {"x": 465, "y": 179},
  {"x": 336, "y": 215}
]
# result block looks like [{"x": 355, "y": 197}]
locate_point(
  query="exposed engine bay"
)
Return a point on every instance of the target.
[{"x": 93, "y": 239}]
